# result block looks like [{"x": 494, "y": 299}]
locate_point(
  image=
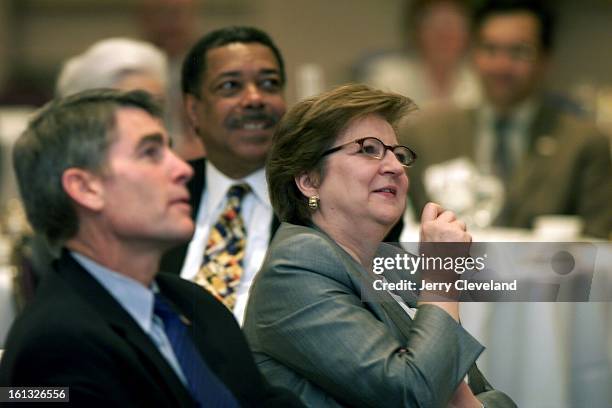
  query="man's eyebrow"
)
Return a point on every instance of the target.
[
  {"x": 268, "y": 71},
  {"x": 151, "y": 138},
  {"x": 230, "y": 74},
  {"x": 237, "y": 74}
]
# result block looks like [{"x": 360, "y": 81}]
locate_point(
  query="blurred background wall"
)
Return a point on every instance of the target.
[
  {"x": 37, "y": 35},
  {"x": 322, "y": 41}
]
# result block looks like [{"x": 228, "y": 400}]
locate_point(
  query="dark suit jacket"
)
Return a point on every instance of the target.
[
  {"x": 172, "y": 261},
  {"x": 312, "y": 331},
  {"x": 566, "y": 169},
  {"x": 76, "y": 334}
]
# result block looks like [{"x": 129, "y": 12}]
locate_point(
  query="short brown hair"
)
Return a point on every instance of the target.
[
  {"x": 309, "y": 129},
  {"x": 75, "y": 131}
]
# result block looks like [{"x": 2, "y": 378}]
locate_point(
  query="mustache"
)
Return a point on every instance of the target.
[{"x": 238, "y": 121}]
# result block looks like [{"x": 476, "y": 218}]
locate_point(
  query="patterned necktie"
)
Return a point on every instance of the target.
[
  {"x": 203, "y": 384},
  {"x": 221, "y": 268}
]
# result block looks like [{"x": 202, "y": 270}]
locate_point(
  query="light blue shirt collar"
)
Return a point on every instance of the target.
[
  {"x": 135, "y": 298},
  {"x": 138, "y": 301}
]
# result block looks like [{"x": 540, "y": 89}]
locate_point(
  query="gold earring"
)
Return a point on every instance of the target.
[{"x": 313, "y": 202}]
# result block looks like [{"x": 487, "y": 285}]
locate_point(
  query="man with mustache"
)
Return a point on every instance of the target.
[
  {"x": 232, "y": 80},
  {"x": 548, "y": 160}
]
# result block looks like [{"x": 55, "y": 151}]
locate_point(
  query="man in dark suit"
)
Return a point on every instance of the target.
[
  {"x": 233, "y": 80},
  {"x": 97, "y": 177},
  {"x": 548, "y": 160}
]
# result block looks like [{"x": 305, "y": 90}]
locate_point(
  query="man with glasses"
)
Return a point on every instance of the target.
[{"x": 547, "y": 160}]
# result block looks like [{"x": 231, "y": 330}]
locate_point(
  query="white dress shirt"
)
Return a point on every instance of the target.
[{"x": 257, "y": 215}]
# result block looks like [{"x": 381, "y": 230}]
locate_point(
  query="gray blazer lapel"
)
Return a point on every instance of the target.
[{"x": 381, "y": 302}]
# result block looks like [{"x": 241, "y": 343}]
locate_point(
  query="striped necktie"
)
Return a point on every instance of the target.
[
  {"x": 222, "y": 265},
  {"x": 203, "y": 384}
]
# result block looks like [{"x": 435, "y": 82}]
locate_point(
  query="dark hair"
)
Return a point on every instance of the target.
[
  {"x": 75, "y": 131},
  {"x": 194, "y": 65},
  {"x": 538, "y": 8},
  {"x": 309, "y": 129}
]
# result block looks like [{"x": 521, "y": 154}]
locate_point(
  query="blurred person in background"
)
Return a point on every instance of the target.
[
  {"x": 120, "y": 63},
  {"x": 338, "y": 182},
  {"x": 434, "y": 69},
  {"x": 233, "y": 82},
  {"x": 98, "y": 178},
  {"x": 172, "y": 25},
  {"x": 547, "y": 161}
]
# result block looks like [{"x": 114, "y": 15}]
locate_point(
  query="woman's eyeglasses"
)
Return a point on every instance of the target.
[{"x": 373, "y": 147}]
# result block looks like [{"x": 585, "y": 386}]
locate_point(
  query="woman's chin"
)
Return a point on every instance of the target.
[{"x": 389, "y": 218}]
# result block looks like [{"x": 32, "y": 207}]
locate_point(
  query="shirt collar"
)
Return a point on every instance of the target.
[
  {"x": 521, "y": 115},
  {"x": 135, "y": 298},
  {"x": 218, "y": 184}
]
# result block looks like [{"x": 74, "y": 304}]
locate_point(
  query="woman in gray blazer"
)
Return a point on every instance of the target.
[{"x": 337, "y": 180}]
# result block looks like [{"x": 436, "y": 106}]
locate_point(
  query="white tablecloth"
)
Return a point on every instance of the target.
[{"x": 546, "y": 355}]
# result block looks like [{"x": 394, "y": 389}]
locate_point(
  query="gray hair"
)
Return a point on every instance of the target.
[
  {"x": 107, "y": 62},
  {"x": 75, "y": 131}
]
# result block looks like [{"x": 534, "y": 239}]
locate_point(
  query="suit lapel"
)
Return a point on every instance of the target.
[
  {"x": 186, "y": 305},
  {"x": 96, "y": 296},
  {"x": 197, "y": 184},
  {"x": 382, "y": 304}
]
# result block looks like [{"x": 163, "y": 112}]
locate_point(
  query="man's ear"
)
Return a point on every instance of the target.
[
  {"x": 308, "y": 183},
  {"x": 84, "y": 187},
  {"x": 191, "y": 107}
]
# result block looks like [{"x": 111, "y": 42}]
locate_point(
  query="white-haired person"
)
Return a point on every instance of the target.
[
  {"x": 128, "y": 64},
  {"x": 121, "y": 63}
]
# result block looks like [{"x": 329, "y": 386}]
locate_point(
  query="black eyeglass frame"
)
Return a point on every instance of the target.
[{"x": 360, "y": 142}]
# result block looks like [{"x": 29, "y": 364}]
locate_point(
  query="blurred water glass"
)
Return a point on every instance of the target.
[{"x": 457, "y": 185}]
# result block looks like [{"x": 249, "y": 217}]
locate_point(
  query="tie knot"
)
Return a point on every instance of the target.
[{"x": 238, "y": 191}]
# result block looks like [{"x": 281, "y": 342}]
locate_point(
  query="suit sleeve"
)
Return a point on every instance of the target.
[
  {"x": 307, "y": 316},
  {"x": 595, "y": 186},
  {"x": 69, "y": 360}
]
